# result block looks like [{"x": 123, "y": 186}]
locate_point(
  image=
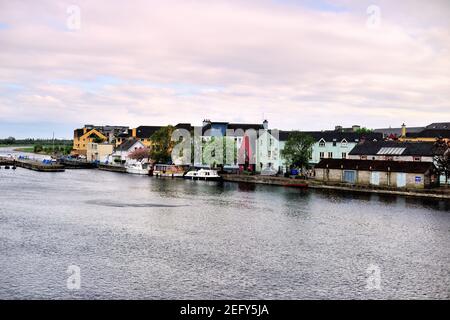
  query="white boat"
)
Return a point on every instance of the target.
[
  {"x": 202, "y": 174},
  {"x": 137, "y": 167}
]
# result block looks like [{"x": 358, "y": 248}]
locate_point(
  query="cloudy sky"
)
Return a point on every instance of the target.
[{"x": 301, "y": 64}]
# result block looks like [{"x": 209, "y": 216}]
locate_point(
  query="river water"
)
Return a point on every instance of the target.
[{"x": 137, "y": 237}]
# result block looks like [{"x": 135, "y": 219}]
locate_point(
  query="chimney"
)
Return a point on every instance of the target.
[
  {"x": 338, "y": 128},
  {"x": 403, "y": 130},
  {"x": 206, "y": 122},
  {"x": 265, "y": 124},
  {"x": 355, "y": 128}
]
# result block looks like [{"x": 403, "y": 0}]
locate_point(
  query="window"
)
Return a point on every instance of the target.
[
  {"x": 416, "y": 158},
  {"x": 344, "y": 155},
  {"x": 322, "y": 143},
  {"x": 269, "y": 153},
  {"x": 334, "y": 142},
  {"x": 322, "y": 155},
  {"x": 330, "y": 155},
  {"x": 349, "y": 176},
  {"x": 363, "y": 157}
]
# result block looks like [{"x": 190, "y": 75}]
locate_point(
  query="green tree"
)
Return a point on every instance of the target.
[
  {"x": 38, "y": 148},
  {"x": 363, "y": 130},
  {"x": 297, "y": 149},
  {"x": 162, "y": 145}
]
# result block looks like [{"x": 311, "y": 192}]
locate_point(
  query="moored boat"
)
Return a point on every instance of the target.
[
  {"x": 137, "y": 167},
  {"x": 202, "y": 174},
  {"x": 168, "y": 170}
]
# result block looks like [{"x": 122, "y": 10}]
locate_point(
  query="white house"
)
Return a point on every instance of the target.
[{"x": 122, "y": 151}]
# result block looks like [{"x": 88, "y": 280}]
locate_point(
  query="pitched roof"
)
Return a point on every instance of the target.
[
  {"x": 146, "y": 131},
  {"x": 186, "y": 126},
  {"x": 127, "y": 144},
  {"x": 397, "y": 131},
  {"x": 330, "y": 136},
  {"x": 430, "y": 133},
  {"x": 393, "y": 148},
  {"x": 376, "y": 165},
  {"x": 234, "y": 126},
  {"x": 439, "y": 125}
]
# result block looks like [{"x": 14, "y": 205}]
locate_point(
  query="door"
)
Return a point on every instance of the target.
[
  {"x": 401, "y": 179},
  {"x": 375, "y": 178},
  {"x": 349, "y": 176}
]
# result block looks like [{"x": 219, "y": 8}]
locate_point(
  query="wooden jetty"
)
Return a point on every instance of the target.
[
  {"x": 77, "y": 164},
  {"x": 32, "y": 165}
]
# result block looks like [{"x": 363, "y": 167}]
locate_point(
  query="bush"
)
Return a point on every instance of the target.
[{"x": 38, "y": 148}]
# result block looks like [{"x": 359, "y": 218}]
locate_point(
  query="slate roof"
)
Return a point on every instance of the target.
[
  {"x": 376, "y": 165},
  {"x": 330, "y": 136},
  {"x": 186, "y": 126},
  {"x": 430, "y": 133},
  {"x": 397, "y": 131},
  {"x": 146, "y": 131},
  {"x": 234, "y": 126},
  {"x": 439, "y": 125},
  {"x": 410, "y": 148},
  {"x": 127, "y": 144}
]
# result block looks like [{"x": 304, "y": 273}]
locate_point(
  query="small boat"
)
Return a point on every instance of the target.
[
  {"x": 168, "y": 170},
  {"x": 7, "y": 167},
  {"x": 137, "y": 167},
  {"x": 202, "y": 174}
]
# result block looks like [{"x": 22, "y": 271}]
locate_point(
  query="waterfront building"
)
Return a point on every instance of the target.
[
  {"x": 393, "y": 151},
  {"x": 99, "y": 151},
  {"x": 120, "y": 155},
  {"x": 240, "y": 136},
  {"x": 90, "y": 133},
  {"x": 382, "y": 173},
  {"x": 84, "y": 136}
]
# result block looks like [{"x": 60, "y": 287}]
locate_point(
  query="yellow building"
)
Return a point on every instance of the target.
[
  {"x": 82, "y": 137},
  {"x": 99, "y": 151}
]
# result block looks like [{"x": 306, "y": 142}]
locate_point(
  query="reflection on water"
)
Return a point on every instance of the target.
[
  {"x": 141, "y": 237},
  {"x": 130, "y": 205}
]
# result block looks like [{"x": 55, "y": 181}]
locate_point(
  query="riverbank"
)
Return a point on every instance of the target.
[
  {"x": 437, "y": 193},
  {"x": 32, "y": 165}
]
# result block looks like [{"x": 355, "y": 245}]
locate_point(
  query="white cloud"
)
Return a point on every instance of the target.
[{"x": 178, "y": 61}]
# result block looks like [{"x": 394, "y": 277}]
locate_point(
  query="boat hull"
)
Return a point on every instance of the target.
[{"x": 138, "y": 171}]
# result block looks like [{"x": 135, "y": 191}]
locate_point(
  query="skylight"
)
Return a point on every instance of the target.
[{"x": 391, "y": 150}]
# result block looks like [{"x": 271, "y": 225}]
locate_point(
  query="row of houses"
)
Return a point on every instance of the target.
[{"x": 385, "y": 157}]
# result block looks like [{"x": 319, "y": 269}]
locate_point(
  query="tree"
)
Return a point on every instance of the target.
[
  {"x": 297, "y": 149},
  {"x": 140, "y": 154},
  {"x": 38, "y": 148},
  {"x": 363, "y": 130},
  {"x": 162, "y": 145},
  {"x": 441, "y": 155}
]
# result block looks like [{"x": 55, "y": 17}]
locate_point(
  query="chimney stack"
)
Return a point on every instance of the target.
[{"x": 403, "y": 130}]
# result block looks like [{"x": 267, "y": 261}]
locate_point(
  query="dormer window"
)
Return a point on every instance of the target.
[
  {"x": 322, "y": 143},
  {"x": 344, "y": 143}
]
